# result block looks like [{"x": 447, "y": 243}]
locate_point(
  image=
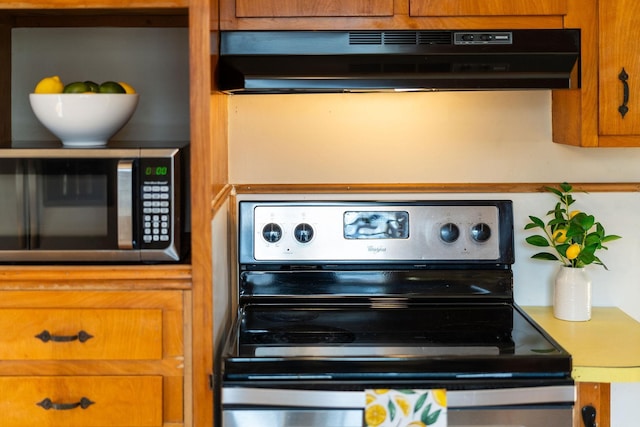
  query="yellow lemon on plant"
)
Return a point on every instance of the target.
[
  {"x": 127, "y": 87},
  {"x": 375, "y": 415},
  {"x": 573, "y": 213},
  {"x": 51, "y": 84},
  {"x": 560, "y": 235},
  {"x": 573, "y": 251}
]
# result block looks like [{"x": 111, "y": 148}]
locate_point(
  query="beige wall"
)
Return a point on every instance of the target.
[{"x": 410, "y": 137}]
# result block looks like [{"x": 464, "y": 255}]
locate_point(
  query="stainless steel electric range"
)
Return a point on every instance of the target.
[{"x": 335, "y": 298}]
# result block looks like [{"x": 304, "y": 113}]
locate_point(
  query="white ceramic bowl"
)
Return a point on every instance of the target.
[{"x": 83, "y": 120}]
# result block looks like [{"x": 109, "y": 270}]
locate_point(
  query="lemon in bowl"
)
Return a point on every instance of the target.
[{"x": 83, "y": 119}]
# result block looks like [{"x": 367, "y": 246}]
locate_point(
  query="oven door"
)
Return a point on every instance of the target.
[{"x": 549, "y": 406}]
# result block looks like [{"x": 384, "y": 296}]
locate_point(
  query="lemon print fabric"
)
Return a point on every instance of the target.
[{"x": 405, "y": 408}]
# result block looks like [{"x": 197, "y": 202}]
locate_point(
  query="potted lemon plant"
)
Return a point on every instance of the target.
[{"x": 572, "y": 238}]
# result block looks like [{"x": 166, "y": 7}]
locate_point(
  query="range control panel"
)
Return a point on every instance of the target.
[{"x": 456, "y": 231}]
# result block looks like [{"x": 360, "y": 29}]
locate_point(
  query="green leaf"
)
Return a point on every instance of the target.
[
  {"x": 537, "y": 241},
  {"x": 419, "y": 402},
  {"x": 610, "y": 238},
  {"x": 537, "y": 221},
  {"x": 431, "y": 418},
  {"x": 566, "y": 187},
  {"x": 545, "y": 256},
  {"x": 554, "y": 191},
  {"x": 425, "y": 414},
  {"x": 392, "y": 410}
]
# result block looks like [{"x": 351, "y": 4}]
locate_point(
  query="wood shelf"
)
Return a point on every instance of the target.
[{"x": 111, "y": 277}]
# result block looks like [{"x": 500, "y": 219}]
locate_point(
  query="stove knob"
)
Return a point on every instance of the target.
[
  {"x": 272, "y": 232},
  {"x": 449, "y": 232},
  {"x": 480, "y": 232},
  {"x": 303, "y": 233}
]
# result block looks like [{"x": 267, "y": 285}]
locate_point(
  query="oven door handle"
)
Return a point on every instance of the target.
[
  {"x": 356, "y": 399},
  {"x": 125, "y": 204}
]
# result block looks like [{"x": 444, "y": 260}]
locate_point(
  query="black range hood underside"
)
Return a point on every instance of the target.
[{"x": 342, "y": 61}]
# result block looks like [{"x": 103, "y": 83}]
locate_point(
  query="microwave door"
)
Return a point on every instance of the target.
[
  {"x": 13, "y": 209},
  {"x": 73, "y": 205}
]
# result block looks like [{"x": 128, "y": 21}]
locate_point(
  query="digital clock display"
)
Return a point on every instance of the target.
[{"x": 156, "y": 171}]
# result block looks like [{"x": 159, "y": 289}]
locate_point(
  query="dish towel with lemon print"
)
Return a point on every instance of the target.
[{"x": 405, "y": 408}]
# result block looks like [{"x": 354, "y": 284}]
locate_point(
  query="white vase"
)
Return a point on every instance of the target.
[{"x": 572, "y": 295}]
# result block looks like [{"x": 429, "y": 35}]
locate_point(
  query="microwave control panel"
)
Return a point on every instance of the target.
[{"x": 157, "y": 202}]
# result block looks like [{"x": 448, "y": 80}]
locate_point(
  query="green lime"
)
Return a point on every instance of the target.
[
  {"x": 76, "y": 87},
  {"x": 111, "y": 87},
  {"x": 93, "y": 86}
]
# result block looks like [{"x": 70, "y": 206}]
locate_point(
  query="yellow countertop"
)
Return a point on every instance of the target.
[{"x": 605, "y": 349}]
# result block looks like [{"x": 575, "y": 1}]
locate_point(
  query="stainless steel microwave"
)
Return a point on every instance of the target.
[{"x": 120, "y": 204}]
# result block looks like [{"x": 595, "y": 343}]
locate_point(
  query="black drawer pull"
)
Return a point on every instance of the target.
[
  {"x": 46, "y": 336},
  {"x": 623, "y": 77},
  {"x": 48, "y": 404}
]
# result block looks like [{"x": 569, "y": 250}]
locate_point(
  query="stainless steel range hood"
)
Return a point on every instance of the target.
[{"x": 360, "y": 61}]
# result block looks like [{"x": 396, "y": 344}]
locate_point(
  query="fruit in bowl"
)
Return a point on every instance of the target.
[{"x": 83, "y": 114}]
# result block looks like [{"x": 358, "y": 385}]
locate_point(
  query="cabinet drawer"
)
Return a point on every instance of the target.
[
  {"x": 312, "y": 8},
  {"x": 487, "y": 8},
  {"x": 81, "y": 401},
  {"x": 80, "y": 334}
]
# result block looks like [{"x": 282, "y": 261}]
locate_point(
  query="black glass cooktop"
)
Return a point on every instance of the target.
[{"x": 272, "y": 340}]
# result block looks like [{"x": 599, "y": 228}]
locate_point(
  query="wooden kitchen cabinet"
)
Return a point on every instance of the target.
[
  {"x": 168, "y": 373},
  {"x": 299, "y": 8},
  {"x": 605, "y": 112},
  {"x": 389, "y": 14},
  {"x": 93, "y": 358},
  {"x": 127, "y": 401},
  {"x": 486, "y": 8}
]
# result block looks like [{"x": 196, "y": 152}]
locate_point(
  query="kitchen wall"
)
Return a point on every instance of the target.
[{"x": 465, "y": 137}]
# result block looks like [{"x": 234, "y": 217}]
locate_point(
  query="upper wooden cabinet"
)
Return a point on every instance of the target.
[
  {"x": 619, "y": 50},
  {"x": 486, "y": 8},
  {"x": 389, "y": 14},
  {"x": 605, "y": 112},
  {"x": 93, "y": 4},
  {"x": 299, "y": 8}
]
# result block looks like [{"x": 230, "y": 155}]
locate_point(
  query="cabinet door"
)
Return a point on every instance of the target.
[
  {"x": 619, "y": 48},
  {"x": 312, "y": 8},
  {"x": 486, "y": 7},
  {"x": 80, "y": 334},
  {"x": 87, "y": 401}
]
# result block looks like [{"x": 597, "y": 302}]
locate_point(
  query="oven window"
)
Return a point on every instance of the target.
[{"x": 376, "y": 225}]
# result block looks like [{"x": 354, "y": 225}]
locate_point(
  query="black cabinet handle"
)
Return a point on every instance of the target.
[
  {"x": 589, "y": 416},
  {"x": 47, "y": 404},
  {"x": 624, "y": 109},
  {"x": 46, "y": 336}
]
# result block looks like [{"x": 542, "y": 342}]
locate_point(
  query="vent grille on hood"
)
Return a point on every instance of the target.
[
  {"x": 343, "y": 61},
  {"x": 399, "y": 37}
]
